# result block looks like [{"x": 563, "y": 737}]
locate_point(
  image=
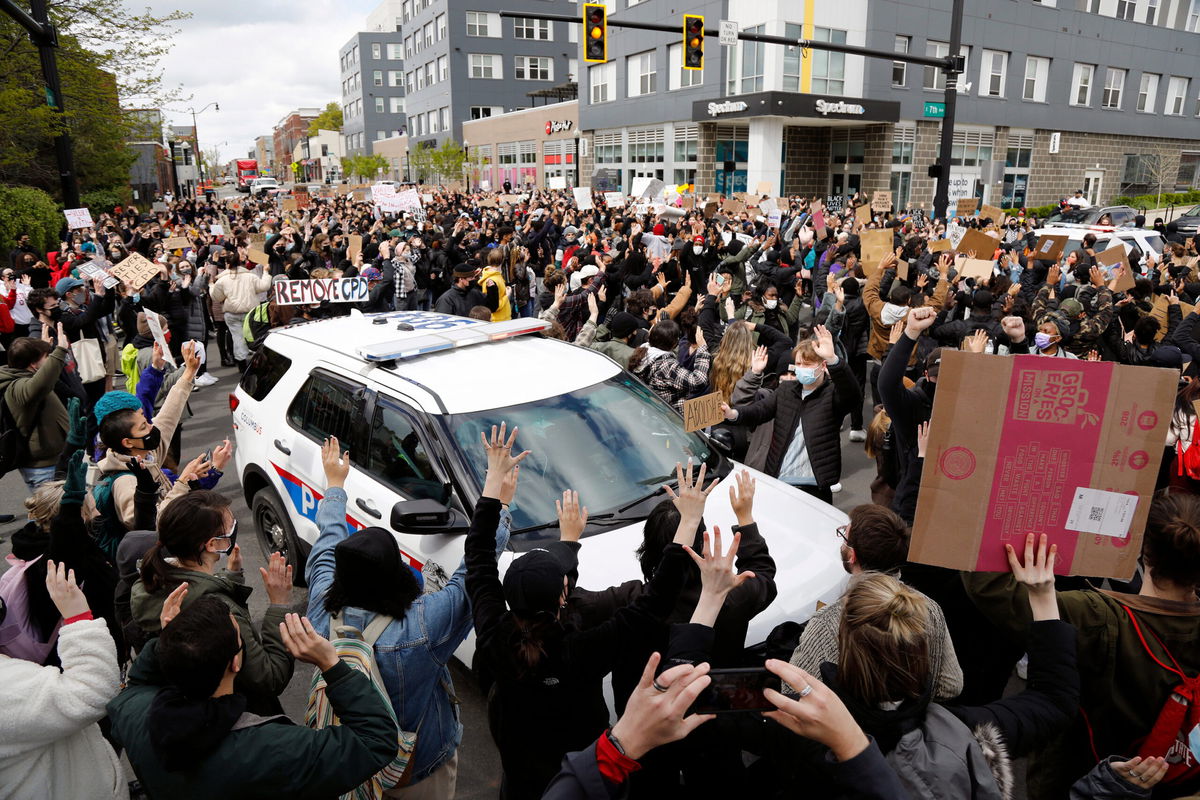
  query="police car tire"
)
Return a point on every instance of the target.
[{"x": 266, "y": 506}]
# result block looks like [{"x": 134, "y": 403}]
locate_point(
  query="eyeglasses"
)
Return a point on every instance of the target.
[{"x": 843, "y": 532}]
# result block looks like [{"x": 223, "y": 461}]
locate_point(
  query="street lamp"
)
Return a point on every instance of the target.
[{"x": 196, "y": 134}]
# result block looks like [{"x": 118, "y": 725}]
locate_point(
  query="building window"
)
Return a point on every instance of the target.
[
  {"x": 443, "y": 68},
  {"x": 608, "y": 148},
  {"x": 1148, "y": 92},
  {"x": 376, "y": 51},
  {"x": 828, "y": 69},
  {"x": 900, "y": 68},
  {"x": 527, "y": 151},
  {"x": 1193, "y": 18},
  {"x": 1114, "y": 82},
  {"x": 572, "y": 33},
  {"x": 428, "y": 31},
  {"x": 1126, "y": 9},
  {"x": 971, "y": 148},
  {"x": 407, "y": 10},
  {"x": 993, "y": 69},
  {"x": 1036, "y": 71},
  {"x": 573, "y": 70},
  {"x": 420, "y": 78},
  {"x": 529, "y": 28},
  {"x": 935, "y": 79},
  {"x": 395, "y": 51},
  {"x": 1016, "y": 169},
  {"x": 680, "y": 78},
  {"x": 506, "y": 153},
  {"x": 408, "y": 50},
  {"x": 849, "y": 152},
  {"x": 379, "y": 105},
  {"x": 444, "y": 117},
  {"x": 429, "y": 74},
  {"x": 377, "y": 77},
  {"x": 1081, "y": 84},
  {"x": 396, "y": 105},
  {"x": 440, "y": 21},
  {"x": 642, "y": 73},
  {"x": 602, "y": 78},
  {"x": 1176, "y": 92},
  {"x": 1151, "y": 12},
  {"x": 792, "y": 58},
  {"x": 486, "y": 66},
  {"x": 432, "y": 119},
  {"x": 483, "y": 23},
  {"x": 533, "y": 68},
  {"x": 409, "y": 82},
  {"x": 753, "y": 60},
  {"x": 687, "y": 145},
  {"x": 481, "y": 112}
]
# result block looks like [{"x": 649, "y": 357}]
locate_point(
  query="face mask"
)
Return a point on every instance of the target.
[
  {"x": 770, "y": 303},
  {"x": 55, "y": 314},
  {"x": 697, "y": 249},
  {"x": 1042, "y": 340},
  {"x": 136, "y": 297},
  {"x": 151, "y": 440},
  {"x": 807, "y": 375},
  {"x": 79, "y": 298}
]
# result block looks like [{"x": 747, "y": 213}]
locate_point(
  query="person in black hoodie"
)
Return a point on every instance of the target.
[{"x": 548, "y": 694}]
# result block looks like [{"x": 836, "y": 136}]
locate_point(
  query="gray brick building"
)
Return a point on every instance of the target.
[
  {"x": 1058, "y": 95},
  {"x": 373, "y": 102}
]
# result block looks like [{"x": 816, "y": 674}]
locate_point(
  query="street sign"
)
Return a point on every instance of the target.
[
  {"x": 937, "y": 110},
  {"x": 729, "y": 32}
]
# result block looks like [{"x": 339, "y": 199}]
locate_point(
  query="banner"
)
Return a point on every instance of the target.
[{"x": 316, "y": 290}]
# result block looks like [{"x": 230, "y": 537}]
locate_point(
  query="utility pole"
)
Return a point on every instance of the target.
[
  {"x": 45, "y": 37},
  {"x": 941, "y": 195}
]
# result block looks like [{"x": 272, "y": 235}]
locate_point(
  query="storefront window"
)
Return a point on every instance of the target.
[
  {"x": 730, "y": 150},
  {"x": 902, "y": 153},
  {"x": 686, "y": 151},
  {"x": 731, "y": 181},
  {"x": 1017, "y": 158},
  {"x": 684, "y": 176},
  {"x": 853, "y": 152}
]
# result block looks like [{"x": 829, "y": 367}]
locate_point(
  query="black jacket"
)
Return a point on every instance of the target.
[
  {"x": 538, "y": 715},
  {"x": 83, "y": 322},
  {"x": 908, "y": 408},
  {"x": 460, "y": 301},
  {"x": 821, "y": 415}
]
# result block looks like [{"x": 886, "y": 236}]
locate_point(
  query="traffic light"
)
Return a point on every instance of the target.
[
  {"x": 595, "y": 28},
  {"x": 693, "y": 41}
]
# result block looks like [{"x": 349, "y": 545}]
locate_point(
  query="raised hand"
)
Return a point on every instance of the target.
[
  {"x": 655, "y": 716},
  {"x": 1037, "y": 574},
  {"x": 191, "y": 359},
  {"x": 64, "y": 591},
  {"x": 896, "y": 332},
  {"x": 922, "y": 439},
  {"x": 1014, "y": 328},
  {"x": 741, "y": 497},
  {"x": 172, "y": 605},
  {"x": 716, "y": 568},
  {"x": 975, "y": 342},
  {"x": 277, "y": 577},
  {"x": 305, "y": 644},
  {"x": 817, "y": 713},
  {"x": 499, "y": 449},
  {"x": 824, "y": 346},
  {"x": 692, "y": 495},
  {"x": 508, "y": 487},
  {"x": 195, "y": 469},
  {"x": 157, "y": 360},
  {"x": 335, "y": 462},
  {"x": 572, "y": 518},
  {"x": 758, "y": 361},
  {"x": 918, "y": 320}
]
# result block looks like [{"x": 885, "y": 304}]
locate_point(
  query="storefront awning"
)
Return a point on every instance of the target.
[{"x": 801, "y": 109}]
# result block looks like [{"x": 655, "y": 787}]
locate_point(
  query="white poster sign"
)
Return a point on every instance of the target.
[{"x": 78, "y": 218}]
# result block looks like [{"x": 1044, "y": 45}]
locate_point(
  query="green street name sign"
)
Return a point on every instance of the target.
[{"x": 935, "y": 109}]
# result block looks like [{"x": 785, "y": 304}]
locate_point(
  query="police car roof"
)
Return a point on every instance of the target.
[{"x": 484, "y": 375}]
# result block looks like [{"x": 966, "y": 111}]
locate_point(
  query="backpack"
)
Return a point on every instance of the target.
[
  {"x": 14, "y": 443},
  {"x": 107, "y": 529},
  {"x": 18, "y": 635},
  {"x": 1189, "y": 459},
  {"x": 1180, "y": 715},
  {"x": 357, "y": 649}
]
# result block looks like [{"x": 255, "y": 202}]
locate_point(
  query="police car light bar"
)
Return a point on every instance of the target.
[{"x": 450, "y": 339}]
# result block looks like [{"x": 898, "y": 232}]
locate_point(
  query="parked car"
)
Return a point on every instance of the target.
[
  {"x": 1144, "y": 239},
  {"x": 261, "y": 186},
  {"x": 1189, "y": 223},
  {"x": 1118, "y": 217}
]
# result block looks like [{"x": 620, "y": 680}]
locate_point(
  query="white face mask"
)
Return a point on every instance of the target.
[
  {"x": 697, "y": 249},
  {"x": 770, "y": 303}
]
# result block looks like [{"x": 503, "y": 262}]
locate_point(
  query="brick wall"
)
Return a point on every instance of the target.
[
  {"x": 706, "y": 153},
  {"x": 807, "y": 169}
]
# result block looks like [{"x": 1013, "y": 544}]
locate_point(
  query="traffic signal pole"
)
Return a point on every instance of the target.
[{"x": 951, "y": 65}]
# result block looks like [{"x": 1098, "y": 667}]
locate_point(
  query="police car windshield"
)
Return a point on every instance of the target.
[{"x": 614, "y": 442}]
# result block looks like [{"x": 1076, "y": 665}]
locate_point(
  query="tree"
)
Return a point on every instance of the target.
[
  {"x": 365, "y": 167},
  {"x": 420, "y": 163},
  {"x": 106, "y": 56},
  {"x": 328, "y": 120},
  {"x": 448, "y": 160},
  {"x": 1161, "y": 169},
  {"x": 211, "y": 159}
]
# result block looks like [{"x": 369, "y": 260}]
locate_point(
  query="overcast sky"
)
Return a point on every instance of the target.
[{"x": 258, "y": 59}]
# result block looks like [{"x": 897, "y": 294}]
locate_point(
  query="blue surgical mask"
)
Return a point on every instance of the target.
[
  {"x": 1042, "y": 340},
  {"x": 807, "y": 375}
]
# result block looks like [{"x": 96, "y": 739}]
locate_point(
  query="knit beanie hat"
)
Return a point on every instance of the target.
[{"x": 114, "y": 401}]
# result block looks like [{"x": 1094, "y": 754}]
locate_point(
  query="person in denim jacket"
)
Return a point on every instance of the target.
[{"x": 365, "y": 574}]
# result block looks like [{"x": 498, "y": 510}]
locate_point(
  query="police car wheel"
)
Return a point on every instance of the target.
[{"x": 275, "y": 533}]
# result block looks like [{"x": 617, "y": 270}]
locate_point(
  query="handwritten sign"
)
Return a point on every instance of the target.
[
  {"x": 700, "y": 412},
  {"x": 259, "y": 239},
  {"x": 991, "y": 212},
  {"x": 881, "y": 202},
  {"x": 863, "y": 214},
  {"x": 136, "y": 271},
  {"x": 154, "y": 323},
  {"x": 303, "y": 199},
  {"x": 159, "y": 208},
  {"x": 966, "y": 207},
  {"x": 614, "y": 199},
  {"x": 583, "y": 198},
  {"x": 216, "y": 230},
  {"x": 289, "y": 204},
  {"x": 78, "y": 218},
  {"x": 177, "y": 243},
  {"x": 355, "y": 246},
  {"x": 1049, "y": 247},
  {"x": 316, "y": 290}
]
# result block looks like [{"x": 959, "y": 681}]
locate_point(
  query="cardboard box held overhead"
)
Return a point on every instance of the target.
[{"x": 1026, "y": 444}]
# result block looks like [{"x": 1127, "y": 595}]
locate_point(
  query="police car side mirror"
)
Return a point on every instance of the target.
[
  {"x": 722, "y": 440},
  {"x": 426, "y": 516}
]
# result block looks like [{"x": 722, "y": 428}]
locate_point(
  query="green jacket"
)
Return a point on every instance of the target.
[
  {"x": 262, "y": 757},
  {"x": 734, "y": 267},
  {"x": 615, "y": 349},
  {"x": 37, "y": 409},
  {"x": 266, "y": 664},
  {"x": 1123, "y": 690}
]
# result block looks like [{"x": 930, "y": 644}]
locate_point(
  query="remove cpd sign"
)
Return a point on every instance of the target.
[{"x": 317, "y": 290}]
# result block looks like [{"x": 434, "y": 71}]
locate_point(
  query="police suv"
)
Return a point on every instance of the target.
[{"x": 408, "y": 394}]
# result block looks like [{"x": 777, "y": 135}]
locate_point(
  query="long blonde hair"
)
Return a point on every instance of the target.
[
  {"x": 732, "y": 359},
  {"x": 883, "y": 640},
  {"x": 44, "y": 503}
]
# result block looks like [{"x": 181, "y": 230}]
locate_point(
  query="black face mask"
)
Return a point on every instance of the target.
[
  {"x": 55, "y": 314},
  {"x": 152, "y": 440}
]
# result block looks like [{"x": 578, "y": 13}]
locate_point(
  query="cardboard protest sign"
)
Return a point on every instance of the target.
[
  {"x": 1112, "y": 256},
  {"x": 177, "y": 243},
  {"x": 583, "y": 198},
  {"x": 1026, "y": 444},
  {"x": 159, "y": 208},
  {"x": 510, "y": 198},
  {"x": 881, "y": 202},
  {"x": 700, "y": 412},
  {"x": 940, "y": 245},
  {"x": 135, "y": 271},
  {"x": 316, "y": 290},
  {"x": 354, "y": 247},
  {"x": 216, "y": 230},
  {"x": 689, "y": 202},
  {"x": 863, "y": 214},
  {"x": 978, "y": 268},
  {"x": 710, "y": 208},
  {"x": 259, "y": 239},
  {"x": 966, "y": 207},
  {"x": 289, "y": 204},
  {"x": 303, "y": 199},
  {"x": 902, "y": 269},
  {"x": 875, "y": 246},
  {"x": 258, "y": 256},
  {"x": 556, "y": 182},
  {"x": 1049, "y": 247},
  {"x": 983, "y": 245},
  {"x": 818, "y": 221},
  {"x": 732, "y": 206},
  {"x": 764, "y": 187},
  {"x": 1125, "y": 280},
  {"x": 1159, "y": 312},
  {"x": 991, "y": 212},
  {"x": 78, "y": 218}
]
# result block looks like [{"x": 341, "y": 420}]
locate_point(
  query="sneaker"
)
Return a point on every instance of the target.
[
  {"x": 858, "y": 436},
  {"x": 837, "y": 487},
  {"x": 207, "y": 379}
]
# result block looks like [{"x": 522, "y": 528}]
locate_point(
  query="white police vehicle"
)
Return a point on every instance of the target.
[{"x": 408, "y": 394}]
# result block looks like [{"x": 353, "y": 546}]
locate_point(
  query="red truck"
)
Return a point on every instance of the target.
[{"x": 247, "y": 170}]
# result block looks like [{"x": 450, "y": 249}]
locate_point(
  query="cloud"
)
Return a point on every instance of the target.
[{"x": 259, "y": 59}]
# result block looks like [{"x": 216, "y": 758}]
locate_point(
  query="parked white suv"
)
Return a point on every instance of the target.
[
  {"x": 260, "y": 186},
  {"x": 408, "y": 394}
]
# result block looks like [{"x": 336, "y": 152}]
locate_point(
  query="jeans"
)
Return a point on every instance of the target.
[
  {"x": 36, "y": 476},
  {"x": 241, "y": 350}
]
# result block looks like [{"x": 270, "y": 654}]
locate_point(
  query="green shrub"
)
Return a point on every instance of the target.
[
  {"x": 1153, "y": 201},
  {"x": 24, "y": 209},
  {"x": 101, "y": 201},
  {"x": 1039, "y": 211}
]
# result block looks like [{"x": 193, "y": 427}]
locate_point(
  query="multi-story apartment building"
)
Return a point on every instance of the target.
[
  {"x": 372, "y": 70},
  {"x": 1058, "y": 95},
  {"x": 289, "y": 131}
]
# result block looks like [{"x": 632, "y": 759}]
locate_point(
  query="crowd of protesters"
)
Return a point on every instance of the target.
[{"x": 125, "y": 626}]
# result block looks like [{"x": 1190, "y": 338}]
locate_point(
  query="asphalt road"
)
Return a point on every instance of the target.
[{"x": 479, "y": 763}]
